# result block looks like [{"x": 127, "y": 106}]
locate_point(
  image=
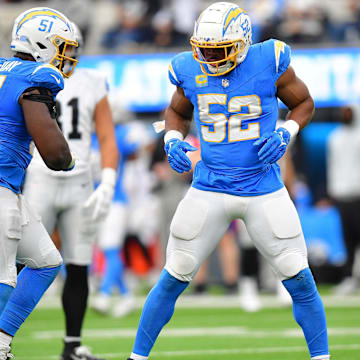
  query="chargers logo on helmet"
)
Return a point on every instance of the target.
[
  {"x": 41, "y": 12},
  {"x": 223, "y": 26}
]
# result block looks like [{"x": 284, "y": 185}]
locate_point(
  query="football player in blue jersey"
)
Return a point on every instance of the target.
[
  {"x": 43, "y": 41},
  {"x": 231, "y": 88}
]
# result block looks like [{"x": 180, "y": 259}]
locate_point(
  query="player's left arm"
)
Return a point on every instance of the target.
[
  {"x": 104, "y": 128},
  {"x": 295, "y": 95},
  {"x": 293, "y": 92},
  {"x": 101, "y": 199}
]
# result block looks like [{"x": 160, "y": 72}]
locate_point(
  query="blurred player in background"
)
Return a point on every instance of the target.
[
  {"x": 343, "y": 175},
  {"x": 113, "y": 230},
  {"x": 43, "y": 41},
  {"x": 68, "y": 201},
  {"x": 231, "y": 89}
]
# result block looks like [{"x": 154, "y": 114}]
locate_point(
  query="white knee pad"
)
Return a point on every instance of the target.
[
  {"x": 181, "y": 265},
  {"x": 51, "y": 259},
  {"x": 289, "y": 264}
]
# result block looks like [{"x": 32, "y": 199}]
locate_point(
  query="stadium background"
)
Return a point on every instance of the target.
[{"x": 132, "y": 43}]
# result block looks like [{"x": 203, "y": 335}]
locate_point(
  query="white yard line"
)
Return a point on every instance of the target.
[
  {"x": 196, "y": 332},
  {"x": 207, "y": 352},
  {"x": 220, "y": 301}
]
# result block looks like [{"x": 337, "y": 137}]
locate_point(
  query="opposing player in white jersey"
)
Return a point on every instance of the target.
[
  {"x": 68, "y": 200},
  {"x": 231, "y": 89},
  {"x": 42, "y": 41}
]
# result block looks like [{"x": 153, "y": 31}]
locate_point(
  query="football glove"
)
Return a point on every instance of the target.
[
  {"x": 176, "y": 151},
  {"x": 273, "y": 145},
  {"x": 72, "y": 164},
  {"x": 100, "y": 200}
]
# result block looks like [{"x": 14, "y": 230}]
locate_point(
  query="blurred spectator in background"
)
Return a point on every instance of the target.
[
  {"x": 174, "y": 21},
  {"x": 265, "y": 15},
  {"x": 132, "y": 25},
  {"x": 342, "y": 20},
  {"x": 343, "y": 164},
  {"x": 303, "y": 21},
  {"x": 80, "y": 11}
]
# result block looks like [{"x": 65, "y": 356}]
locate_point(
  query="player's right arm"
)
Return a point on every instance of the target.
[
  {"x": 45, "y": 132},
  {"x": 178, "y": 117},
  {"x": 179, "y": 113}
]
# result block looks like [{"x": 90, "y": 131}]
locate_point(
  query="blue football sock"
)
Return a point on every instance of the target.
[
  {"x": 309, "y": 311},
  {"x": 114, "y": 272},
  {"x": 120, "y": 280},
  {"x": 158, "y": 309},
  {"x": 31, "y": 285},
  {"x": 5, "y": 292}
]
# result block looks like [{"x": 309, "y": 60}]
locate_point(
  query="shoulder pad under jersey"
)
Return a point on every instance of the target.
[
  {"x": 279, "y": 54},
  {"x": 48, "y": 76},
  {"x": 178, "y": 66}
]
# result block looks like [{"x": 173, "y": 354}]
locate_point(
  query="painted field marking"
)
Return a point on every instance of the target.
[
  {"x": 196, "y": 332},
  {"x": 207, "y": 352}
]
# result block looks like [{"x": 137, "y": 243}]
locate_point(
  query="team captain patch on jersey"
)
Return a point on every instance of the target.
[
  {"x": 231, "y": 112},
  {"x": 17, "y": 75}
]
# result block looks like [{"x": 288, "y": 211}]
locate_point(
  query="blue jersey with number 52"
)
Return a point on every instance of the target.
[
  {"x": 231, "y": 112},
  {"x": 16, "y": 76}
]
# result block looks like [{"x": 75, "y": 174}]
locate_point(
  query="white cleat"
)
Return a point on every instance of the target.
[
  {"x": 249, "y": 295},
  {"x": 101, "y": 303},
  {"x": 5, "y": 353},
  {"x": 125, "y": 306}
]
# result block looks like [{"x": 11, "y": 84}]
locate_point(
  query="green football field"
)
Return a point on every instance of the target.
[{"x": 198, "y": 330}]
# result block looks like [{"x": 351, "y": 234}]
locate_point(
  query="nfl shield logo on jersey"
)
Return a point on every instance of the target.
[{"x": 225, "y": 83}]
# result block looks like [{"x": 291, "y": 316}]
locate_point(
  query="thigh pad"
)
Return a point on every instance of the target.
[
  {"x": 282, "y": 217},
  {"x": 189, "y": 218}
]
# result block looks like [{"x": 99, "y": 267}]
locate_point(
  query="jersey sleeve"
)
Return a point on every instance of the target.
[
  {"x": 47, "y": 76},
  {"x": 101, "y": 85},
  {"x": 282, "y": 56},
  {"x": 277, "y": 55},
  {"x": 176, "y": 69}
]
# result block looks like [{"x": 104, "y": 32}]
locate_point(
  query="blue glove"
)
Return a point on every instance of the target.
[
  {"x": 176, "y": 151},
  {"x": 273, "y": 145}
]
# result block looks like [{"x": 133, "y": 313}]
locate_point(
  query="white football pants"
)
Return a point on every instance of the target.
[
  {"x": 22, "y": 238},
  {"x": 203, "y": 217},
  {"x": 59, "y": 201}
]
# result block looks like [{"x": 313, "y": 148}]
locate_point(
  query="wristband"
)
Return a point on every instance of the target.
[
  {"x": 72, "y": 162},
  {"x": 108, "y": 176},
  {"x": 173, "y": 134},
  {"x": 292, "y": 127}
]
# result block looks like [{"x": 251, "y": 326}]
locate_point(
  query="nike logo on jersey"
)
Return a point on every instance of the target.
[{"x": 56, "y": 78}]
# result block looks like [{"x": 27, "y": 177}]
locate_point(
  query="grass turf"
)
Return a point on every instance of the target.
[{"x": 194, "y": 334}]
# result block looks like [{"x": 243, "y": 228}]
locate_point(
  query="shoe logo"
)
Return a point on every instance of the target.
[{"x": 56, "y": 79}]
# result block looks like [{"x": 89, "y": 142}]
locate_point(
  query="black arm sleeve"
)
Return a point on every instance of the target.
[{"x": 44, "y": 97}]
